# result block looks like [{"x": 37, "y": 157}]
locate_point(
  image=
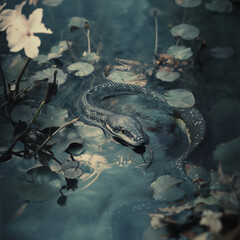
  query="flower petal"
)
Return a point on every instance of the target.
[
  {"x": 31, "y": 46},
  {"x": 15, "y": 39},
  {"x": 9, "y": 17},
  {"x": 35, "y": 24}
]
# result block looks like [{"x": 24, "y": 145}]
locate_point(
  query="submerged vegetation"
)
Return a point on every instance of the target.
[{"x": 48, "y": 153}]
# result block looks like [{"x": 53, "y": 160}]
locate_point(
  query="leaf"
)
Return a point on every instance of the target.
[
  {"x": 71, "y": 169},
  {"x": 188, "y": 3},
  {"x": 83, "y": 69},
  {"x": 185, "y": 31},
  {"x": 49, "y": 74},
  {"x": 52, "y": 3},
  {"x": 212, "y": 220},
  {"x": 51, "y": 116},
  {"x": 23, "y": 113},
  {"x": 90, "y": 57},
  {"x": 221, "y": 53},
  {"x": 180, "y": 52},
  {"x": 179, "y": 98},
  {"x": 167, "y": 76},
  {"x": 165, "y": 189},
  {"x": 20, "y": 211},
  {"x": 77, "y": 22},
  {"x": 220, "y": 6},
  {"x": 129, "y": 77}
]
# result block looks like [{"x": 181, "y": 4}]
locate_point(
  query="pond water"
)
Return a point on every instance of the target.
[{"x": 112, "y": 199}]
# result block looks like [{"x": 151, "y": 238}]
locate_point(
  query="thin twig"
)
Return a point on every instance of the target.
[
  {"x": 52, "y": 135},
  {"x": 20, "y": 76},
  {"x": 9, "y": 150},
  {"x": 156, "y": 35},
  {"x": 4, "y": 83},
  {"x": 15, "y": 97},
  {"x": 88, "y": 38},
  {"x": 74, "y": 57}
]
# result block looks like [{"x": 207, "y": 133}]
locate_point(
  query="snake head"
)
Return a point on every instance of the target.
[{"x": 126, "y": 128}]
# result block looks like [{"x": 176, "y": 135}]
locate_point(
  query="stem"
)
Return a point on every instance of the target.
[
  {"x": 4, "y": 83},
  {"x": 51, "y": 136},
  {"x": 88, "y": 38},
  {"x": 15, "y": 97},
  {"x": 24, "y": 132},
  {"x": 156, "y": 35},
  {"x": 20, "y": 76},
  {"x": 74, "y": 57}
]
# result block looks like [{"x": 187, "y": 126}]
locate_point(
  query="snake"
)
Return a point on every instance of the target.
[{"x": 128, "y": 129}]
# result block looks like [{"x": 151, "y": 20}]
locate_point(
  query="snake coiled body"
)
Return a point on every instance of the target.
[{"x": 127, "y": 128}]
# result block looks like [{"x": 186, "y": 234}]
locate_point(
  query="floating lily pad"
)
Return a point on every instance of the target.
[
  {"x": 188, "y": 3},
  {"x": 167, "y": 76},
  {"x": 52, "y": 3},
  {"x": 179, "y": 98},
  {"x": 23, "y": 113},
  {"x": 56, "y": 52},
  {"x": 90, "y": 57},
  {"x": 41, "y": 58},
  {"x": 221, "y": 6},
  {"x": 77, "y": 22},
  {"x": 165, "y": 189},
  {"x": 49, "y": 74},
  {"x": 82, "y": 68},
  {"x": 121, "y": 76},
  {"x": 66, "y": 137},
  {"x": 180, "y": 52},
  {"x": 39, "y": 184},
  {"x": 71, "y": 169},
  {"x": 228, "y": 154},
  {"x": 51, "y": 116},
  {"x": 185, "y": 31},
  {"x": 222, "y": 53}
]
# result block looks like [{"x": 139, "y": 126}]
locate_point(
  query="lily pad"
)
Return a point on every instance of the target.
[
  {"x": 23, "y": 113},
  {"x": 188, "y": 3},
  {"x": 82, "y": 68},
  {"x": 39, "y": 184},
  {"x": 180, "y": 98},
  {"x": 180, "y": 52},
  {"x": 222, "y": 53},
  {"x": 185, "y": 31},
  {"x": 221, "y": 6},
  {"x": 49, "y": 74},
  {"x": 228, "y": 154},
  {"x": 121, "y": 76},
  {"x": 51, "y": 116},
  {"x": 71, "y": 169},
  {"x": 167, "y": 76},
  {"x": 90, "y": 57},
  {"x": 165, "y": 189},
  {"x": 64, "y": 138},
  {"x": 77, "y": 22},
  {"x": 52, "y": 3}
]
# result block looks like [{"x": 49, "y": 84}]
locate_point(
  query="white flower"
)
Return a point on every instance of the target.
[
  {"x": 20, "y": 30},
  {"x": 34, "y": 2}
]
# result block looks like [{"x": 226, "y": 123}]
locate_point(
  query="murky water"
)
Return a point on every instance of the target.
[{"x": 117, "y": 204}]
